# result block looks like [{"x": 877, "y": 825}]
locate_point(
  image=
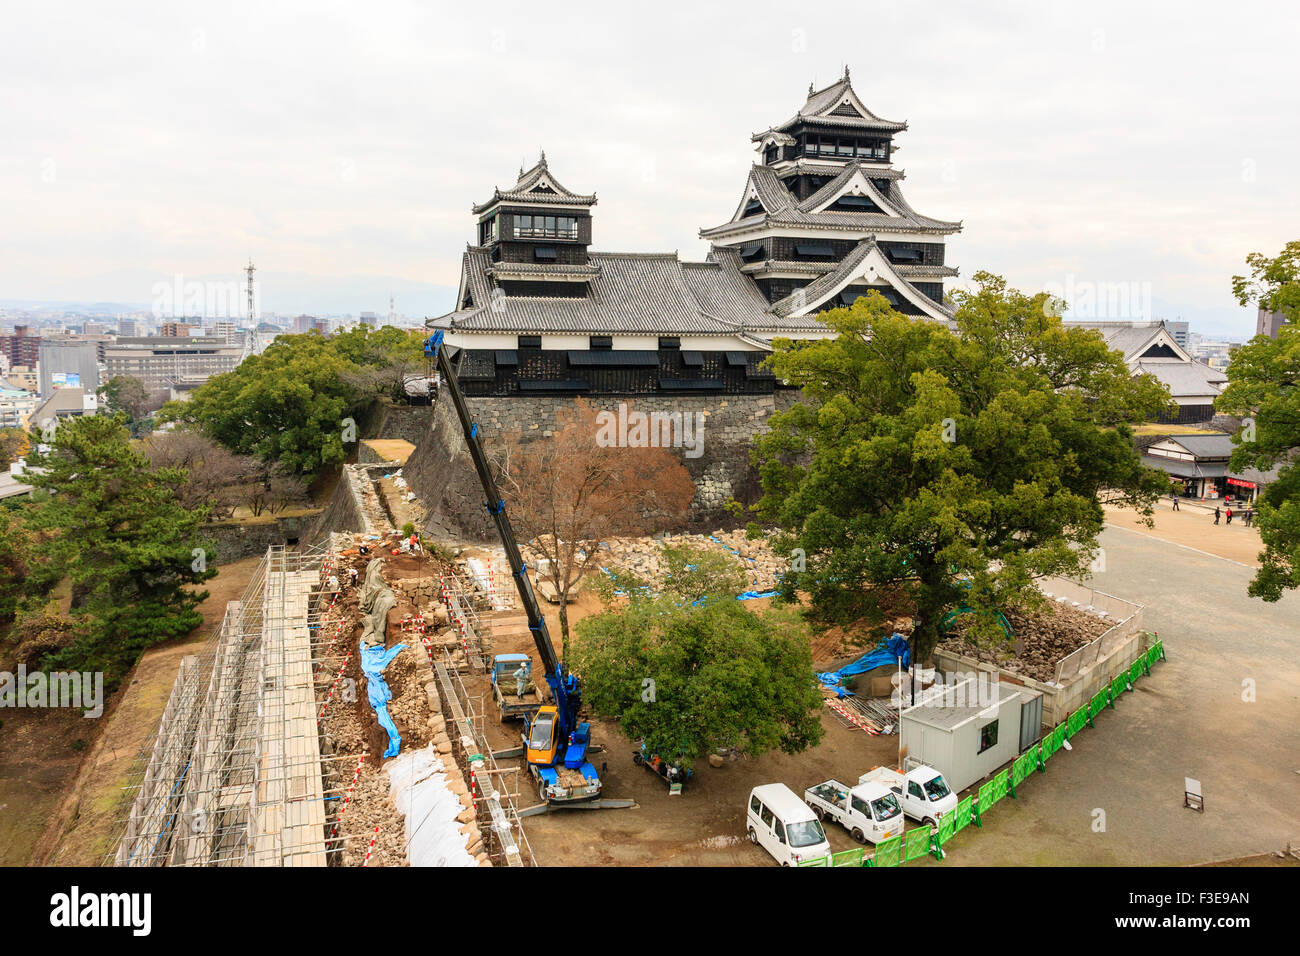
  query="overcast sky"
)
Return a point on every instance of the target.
[{"x": 341, "y": 145}]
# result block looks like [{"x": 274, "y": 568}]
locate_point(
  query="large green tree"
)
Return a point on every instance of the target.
[
  {"x": 115, "y": 530},
  {"x": 290, "y": 405},
  {"x": 128, "y": 395},
  {"x": 933, "y": 469},
  {"x": 693, "y": 679},
  {"x": 1273, "y": 283},
  {"x": 1264, "y": 388}
]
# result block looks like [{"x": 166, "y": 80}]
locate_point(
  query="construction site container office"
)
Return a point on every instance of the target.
[{"x": 965, "y": 743}]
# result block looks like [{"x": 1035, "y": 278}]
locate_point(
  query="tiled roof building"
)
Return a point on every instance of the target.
[{"x": 822, "y": 221}]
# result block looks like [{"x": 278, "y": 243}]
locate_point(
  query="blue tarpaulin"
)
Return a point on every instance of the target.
[
  {"x": 887, "y": 651},
  {"x": 374, "y": 658}
]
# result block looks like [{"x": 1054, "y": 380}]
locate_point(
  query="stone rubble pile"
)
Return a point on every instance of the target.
[{"x": 643, "y": 556}]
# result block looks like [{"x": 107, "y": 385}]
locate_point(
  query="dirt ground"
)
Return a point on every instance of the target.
[
  {"x": 705, "y": 825},
  {"x": 1192, "y": 526},
  {"x": 61, "y": 775},
  {"x": 390, "y": 449}
]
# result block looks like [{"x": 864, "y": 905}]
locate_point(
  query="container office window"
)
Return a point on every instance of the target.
[{"x": 988, "y": 736}]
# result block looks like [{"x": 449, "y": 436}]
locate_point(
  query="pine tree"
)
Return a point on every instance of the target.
[{"x": 123, "y": 541}]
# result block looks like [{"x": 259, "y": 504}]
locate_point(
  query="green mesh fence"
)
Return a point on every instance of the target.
[
  {"x": 948, "y": 827},
  {"x": 1058, "y": 737},
  {"x": 847, "y": 858},
  {"x": 1136, "y": 671},
  {"x": 961, "y": 816},
  {"x": 1098, "y": 704},
  {"x": 983, "y": 802},
  {"x": 917, "y": 843},
  {"x": 1118, "y": 686},
  {"x": 889, "y": 852},
  {"x": 1025, "y": 764},
  {"x": 1035, "y": 755},
  {"x": 817, "y": 861},
  {"x": 1078, "y": 720},
  {"x": 1000, "y": 785}
]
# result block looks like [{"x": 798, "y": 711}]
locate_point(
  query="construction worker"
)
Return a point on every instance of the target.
[{"x": 353, "y": 574}]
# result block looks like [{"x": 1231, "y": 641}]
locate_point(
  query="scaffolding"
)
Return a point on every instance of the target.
[{"x": 233, "y": 774}]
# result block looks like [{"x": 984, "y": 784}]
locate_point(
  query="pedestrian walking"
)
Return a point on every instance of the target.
[
  {"x": 1173, "y": 497},
  {"x": 1216, "y": 514},
  {"x": 1250, "y": 516},
  {"x": 1229, "y": 515}
]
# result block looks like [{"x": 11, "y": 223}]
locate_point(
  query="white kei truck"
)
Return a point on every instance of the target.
[
  {"x": 922, "y": 791},
  {"x": 869, "y": 811}
]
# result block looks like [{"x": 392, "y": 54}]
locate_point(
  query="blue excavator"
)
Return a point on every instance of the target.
[{"x": 555, "y": 741}]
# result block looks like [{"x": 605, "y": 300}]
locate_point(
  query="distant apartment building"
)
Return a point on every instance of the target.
[
  {"x": 1269, "y": 323},
  {"x": 128, "y": 327},
  {"x": 22, "y": 347},
  {"x": 1180, "y": 330},
  {"x": 225, "y": 330},
  {"x": 166, "y": 361},
  {"x": 177, "y": 329},
  {"x": 16, "y": 405},
  {"x": 70, "y": 363},
  {"x": 24, "y": 377},
  {"x": 304, "y": 324}
]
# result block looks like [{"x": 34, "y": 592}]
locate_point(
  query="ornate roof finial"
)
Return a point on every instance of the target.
[
  {"x": 846, "y": 71},
  {"x": 810, "y": 89},
  {"x": 542, "y": 160}
]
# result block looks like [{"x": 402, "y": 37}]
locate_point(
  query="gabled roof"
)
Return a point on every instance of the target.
[
  {"x": 1133, "y": 339},
  {"x": 866, "y": 261},
  {"x": 839, "y": 105},
  {"x": 1185, "y": 379},
  {"x": 781, "y": 209},
  {"x": 537, "y": 185},
  {"x": 629, "y": 293},
  {"x": 1202, "y": 446},
  {"x": 764, "y": 185},
  {"x": 853, "y": 178}
]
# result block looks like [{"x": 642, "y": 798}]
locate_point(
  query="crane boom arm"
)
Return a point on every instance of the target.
[{"x": 496, "y": 506}]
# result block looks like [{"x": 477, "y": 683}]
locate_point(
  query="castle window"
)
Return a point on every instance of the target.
[
  {"x": 546, "y": 227},
  {"x": 530, "y": 342},
  {"x": 544, "y": 254},
  {"x": 915, "y": 256},
  {"x": 670, "y": 342},
  {"x": 752, "y": 208},
  {"x": 855, "y": 204},
  {"x": 600, "y": 343}
]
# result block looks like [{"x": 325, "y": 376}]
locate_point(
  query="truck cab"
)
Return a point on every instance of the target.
[
  {"x": 784, "y": 825},
  {"x": 869, "y": 811},
  {"x": 923, "y": 793}
]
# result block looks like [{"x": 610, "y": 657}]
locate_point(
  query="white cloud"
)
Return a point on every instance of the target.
[{"x": 347, "y": 142}]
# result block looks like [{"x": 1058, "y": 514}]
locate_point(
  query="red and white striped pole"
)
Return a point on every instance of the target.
[
  {"x": 355, "y": 777},
  {"x": 330, "y": 695},
  {"x": 372, "y": 847}
]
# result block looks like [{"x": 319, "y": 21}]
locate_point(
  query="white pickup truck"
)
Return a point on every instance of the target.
[
  {"x": 869, "y": 811},
  {"x": 922, "y": 791}
]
